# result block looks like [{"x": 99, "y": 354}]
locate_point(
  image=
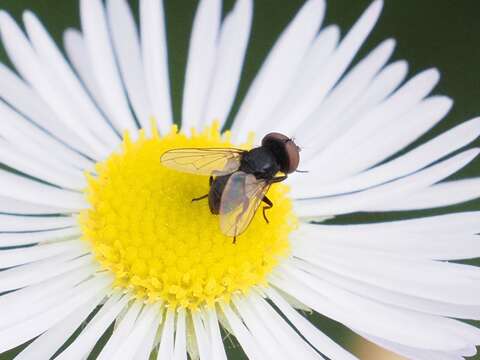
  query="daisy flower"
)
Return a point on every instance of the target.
[{"x": 96, "y": 234}]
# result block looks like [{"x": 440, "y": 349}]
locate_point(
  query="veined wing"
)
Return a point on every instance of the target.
[
  {"x": 203, "y": 161},
  {"x": 240, "y": 200}
]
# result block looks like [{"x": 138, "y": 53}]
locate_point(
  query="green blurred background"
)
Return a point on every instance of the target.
[{"x": 438, "y": 33}]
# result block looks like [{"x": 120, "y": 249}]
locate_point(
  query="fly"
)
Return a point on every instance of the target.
[{"x": 239, "y": 179}]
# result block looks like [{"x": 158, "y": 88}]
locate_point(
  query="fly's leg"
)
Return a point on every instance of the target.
[
  {"x": 210, "y": 182},
  {"x": 278, "y": 179},
  {"x": 200, "y": 198},
  {"x": 269, "y": 205},
  {"x": 267, "y": 201}
]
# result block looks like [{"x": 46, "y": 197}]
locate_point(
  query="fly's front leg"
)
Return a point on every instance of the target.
[
  {"x": 269, "y": 205},
  {"x": 278, "y": 179},
  {"x": 210, "y": 182}
]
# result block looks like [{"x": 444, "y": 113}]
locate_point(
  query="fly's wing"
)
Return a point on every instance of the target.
[
  {"x": 240, "y": 200},
  {"x": 203, "y": 161}
]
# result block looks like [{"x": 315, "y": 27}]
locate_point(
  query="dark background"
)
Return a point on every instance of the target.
[{"x": 438, "y": 33}]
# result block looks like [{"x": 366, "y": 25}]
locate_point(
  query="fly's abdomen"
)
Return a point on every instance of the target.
[{"x": 215, "y": 194}]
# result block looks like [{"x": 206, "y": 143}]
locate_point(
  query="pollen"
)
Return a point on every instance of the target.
[{"x": 162, "y": 247}]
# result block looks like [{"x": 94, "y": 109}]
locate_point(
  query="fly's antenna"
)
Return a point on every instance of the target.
[
  {"x": 292, "y": 139},
  {"x": 302, "y": 171}
]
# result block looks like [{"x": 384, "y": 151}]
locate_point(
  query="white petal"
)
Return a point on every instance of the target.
[
  {"x": 25, "y": 135},
  {"x": 84, "y": 293},
  {"x": 326, "y": 78},
  {"x": 21, "y": 188},
  {"x": 201, "y": 62},
  {"x": 392, "y": 139},
  {"x": 218, "y": 348},
  {"x": 18, "y": 239},
  {"x": 317, "y": 55},
  {"x": 36, "y": 309},
  {"x": 23, "y": 99},
  {"x": 305, "y": 79},
  {"x": 443, "y": 194},
  {"x": 121, "y": 331},
  {"x": 378, "y": 90},
  {"x": 165, "y": 350},
  {"x": 147, "y": 346},
  {"x": 127, "y": 48},
  {"x": 394, "y": 298},
  {"x": 342, "y": 96},
  {"x": 80, "y": 103},
  {"x": 42, "y": 78},
  {"x": 412, "y": 353},
  {"x": 435, "y": 246},
  {"x": 279, "y": 69},
  {"x": 201, "y": 336},
  {"x": 379, "y": 117},
  {"x": 146, "y": 322},
  {"x": 261, "y": 332},
  {"x": 87, "y": 339},
  {"x": 155, "y": 59},
  {"x": 417, "y": 330},
  {"x": 77, "y": 53},
  {"x": 23, "y": 162},
  {"x": 20, "y": 305},
  {"x": 47, "y": 344},
  {"x": 232, "y": 45},
  {"x": 243, "y": 335},
  {"x": 12, "y": 223},
  {"x": 414, "y": 160},
  {"x": 105, "y": 69},
  {"x": 272, "y": 345},
  {"x": 417, "y": 277},
  {"x": 42, "y": 270},
  {"x": 393, "y": 190},
  {"x": 20, "y": 256},
  {"x": 180, "y": 350},
  {"x": 456, "y": 224},
  {"x": 293, "y": 344},
  {"x": 12, "y": 206},
  {"x": 319, "y": 340}
]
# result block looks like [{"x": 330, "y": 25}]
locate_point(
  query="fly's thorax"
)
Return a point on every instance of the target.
[{"x": 260, "y": 162}]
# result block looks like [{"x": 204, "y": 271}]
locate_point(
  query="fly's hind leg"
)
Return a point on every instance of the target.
[
  {"x": 210, "y": 182},
  {"x": 269, "y": 205}
]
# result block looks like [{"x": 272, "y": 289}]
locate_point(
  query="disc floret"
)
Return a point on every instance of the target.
[{"x": 159, "y": 245}]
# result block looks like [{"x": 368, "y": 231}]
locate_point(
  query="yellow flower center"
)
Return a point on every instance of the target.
[{"x": 159, "y": 245}]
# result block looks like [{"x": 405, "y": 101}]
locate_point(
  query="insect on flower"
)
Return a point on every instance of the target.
[{"x": 239, "y": 179}]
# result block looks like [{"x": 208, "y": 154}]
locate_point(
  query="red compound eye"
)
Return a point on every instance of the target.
[{"x": 285, "y": 149}]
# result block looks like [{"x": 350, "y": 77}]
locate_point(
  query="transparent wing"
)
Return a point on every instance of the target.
[
  {"x": 240, "y": 200},
  {"x": 203, "y": 161}
]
